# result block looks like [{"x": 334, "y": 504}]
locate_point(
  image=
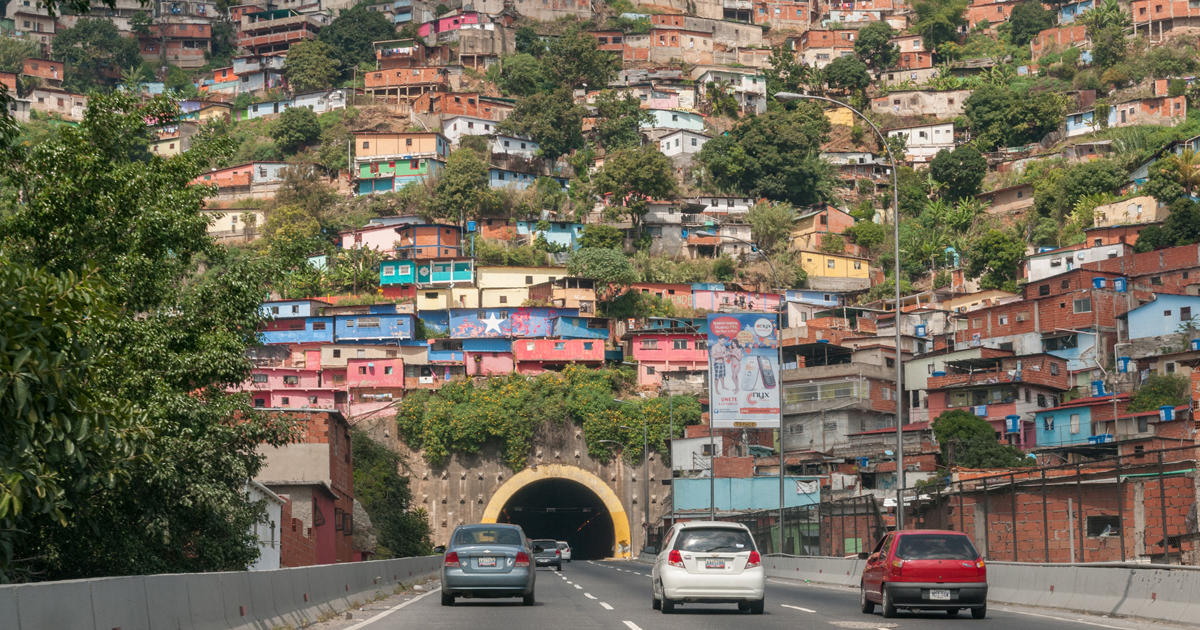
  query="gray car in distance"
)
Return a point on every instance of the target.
[
  {"x": 549, "y": 556},
  {"x": 489, "y": 560}
]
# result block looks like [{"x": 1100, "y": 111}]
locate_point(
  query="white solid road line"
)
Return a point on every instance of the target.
[
  {"x": 391, "y": 610},
  {"x": 798, "y": 608},
  {"x": 631, "y": 625},
  {"x": 589, "y": 596},
  {"x": 606, "y": 606},
  {"x": 1086, "y": 623}
]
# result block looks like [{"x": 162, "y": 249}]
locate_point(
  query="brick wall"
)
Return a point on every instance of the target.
[
  {"x": 298, "y": 547},
  {"x": 733, "y": 467}
]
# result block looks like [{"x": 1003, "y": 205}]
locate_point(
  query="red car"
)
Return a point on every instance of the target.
[{"x": 925, "y": 570}]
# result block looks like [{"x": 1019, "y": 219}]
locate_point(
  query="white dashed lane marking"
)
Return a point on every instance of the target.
[
  {"x": 579, "y": 587},
  {"x": 798, "y": 608},
  {"x": 631, "y": 625},
  {"x": 589, "y": 596},
  {"x": 606, "y": 606}
]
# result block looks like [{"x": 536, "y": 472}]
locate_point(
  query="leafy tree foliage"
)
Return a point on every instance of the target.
[
  {"x": 874, "y": 46},
  {"x": 310, "y": 65},
  {"x": 91, "y": 201},
  {"x": 619, "y": 116},
  {"x": 385, "y": 495},
  {"x": 13, "y": 53},
  {"x": 521, "y": 75},
  {"x": 847, "y": 74},
  {"x": 775, "y": 155},
  {"x": 296, "y": 127},
  {"x": 913, "y": 193},
  {"x": 938, "y": 21},
  {"x": 994, "y": 257},
  {"x": 784, "y": 73},
  {"x": 1027, "y": 20},
  {"x": 604, "y": 265},
  {"x": 462, "y": 188},
  {"x": 1163, "y": 183},
  {"x": 574, "y": 59},
  {"x": 1057, "y": 199},
  {"x": 968, "y": 441},
  {"x": 771, "y": 225},
  {"x": 554, "y": 121},
  {"x": 351, "y": 34},
  {"x": 1160, "y": 390},
  {"x": 961, "y": 171},
  {"x": 1000, "y": 116},
  {"x": 528, "y": 42},
  {"x": 179, "y": 82},
  {"x": 866, "y": 234},
  {"x": 598, "y": 235},
  {"x": 90, "y": 48},
  {"x": 1182, "y": 227},
  {"x": 633, "y": 177}
]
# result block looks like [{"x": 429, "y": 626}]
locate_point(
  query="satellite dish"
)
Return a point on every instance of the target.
[{"x": 888, "y": 453}]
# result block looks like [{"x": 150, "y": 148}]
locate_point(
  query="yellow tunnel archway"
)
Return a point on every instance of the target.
[{"x": 612, "y": 503}]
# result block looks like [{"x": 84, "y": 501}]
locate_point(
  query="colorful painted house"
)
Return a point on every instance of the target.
[
  {"x": 668, "y": 345},
  {"x": 521, "y": 322},
  {"x": 302, "y": 330},
  {"x": 427, "y": 272},
  {"x": 1071, "y": 423},
  {"x": 558, "y": 233},
  {"x": 374, "y": 328},
  {"x": 508, "y": 178},
  {"x": 409, "y": 241},
  {"x": 488, "y": 357},
  {"x": 534, "y": 356},
  {"x": 386, "y": 161},
  {"x": 580, "y": 328},
  {"x": 290, "y": 387},
  {"x": 728, "y": 298}
]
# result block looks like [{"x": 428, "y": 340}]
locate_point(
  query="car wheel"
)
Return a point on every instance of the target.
[
  {"x": 867, "y": 605},
  {"x": 558, "y": 567},
  {"x": 528, "y": 599},
  {"x": 447, "y": 599},
  {"x": 668, "y": 606},
  {"x": 655, "y": 603},
  {"x": 979, "y": 613},
  {"x": 757, "y": 607},
  {"x": 953, "y": 612},
  {"x": 889, "y": 610},
  {"x": 743, "y": 606}
]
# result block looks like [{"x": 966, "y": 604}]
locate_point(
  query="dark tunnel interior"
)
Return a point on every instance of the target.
[{"x": 563, "y": 510}]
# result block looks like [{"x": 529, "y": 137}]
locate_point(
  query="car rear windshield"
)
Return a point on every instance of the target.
[
  {"x": 562, "y": 545},
  {"x": 935, "y": 547},
  {"x": 487, "y": 535},
  {"x": 704, "y": 539},
  {"x": 546, "y": 544}
]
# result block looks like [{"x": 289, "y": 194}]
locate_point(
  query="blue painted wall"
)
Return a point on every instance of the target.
[
  {"x": 487, "y": 345},
  {"x": 392, "y": 327},
  {"x": 813, "y": 297},
  {"x": 576, "y": 328},
  {"x": 754, "y": 493},
  {"x": 1151, "y": 320},
  {"x": 468, "y": 323},
  {"x": 1054, "y": 427},
  {"x": 563, "y": 234},
  {"x": 412, "y": 272},
  {"x": 287, "y": 309},
  {"x": 307, "y": 335}
]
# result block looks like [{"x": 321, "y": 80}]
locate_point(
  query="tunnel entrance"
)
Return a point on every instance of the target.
[{"x": 563, "y": 509}]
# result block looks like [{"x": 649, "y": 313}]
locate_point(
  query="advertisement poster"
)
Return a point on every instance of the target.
[{"x": 743, "y": 364}]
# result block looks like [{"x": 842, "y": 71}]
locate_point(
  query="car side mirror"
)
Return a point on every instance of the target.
[
  {"x": 862, "y": 555},
  {"x": 538, "y": 549},
  {"x": 439, "y": 549},
  {"x": 652, "y": 551}
]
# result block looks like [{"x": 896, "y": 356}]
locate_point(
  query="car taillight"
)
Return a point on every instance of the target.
[
  {"x": 452, "y": 559},
  {"x": 675, "y": 559},
  {"x": 754, "y": 561},
  {"x": 522, "y": 559},
  {"x": 898, "y": 566},
  {"x": 979, "y": 563},
  {"x": 558, "y": 552}
]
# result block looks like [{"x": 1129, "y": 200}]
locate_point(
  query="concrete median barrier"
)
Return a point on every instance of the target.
[{"x": 207, "y": 601}]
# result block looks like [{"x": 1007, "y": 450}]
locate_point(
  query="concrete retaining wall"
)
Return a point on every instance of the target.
[
  {"x": 1152, "y": 592},
  {"x": 258, "y": 600}
]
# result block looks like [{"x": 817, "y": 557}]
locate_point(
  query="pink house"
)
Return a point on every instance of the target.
[
  {"x": 739, "y": 300},
  {"x": 533, "y": 355},
  {"x": 449, "y": 22},
  {"x": 379, "y": 237},
  {"x": 657, "y": 352},
  {"x": 484, "y": 363},
  {"x": 292, "y": 387},
  {"x": 375, "y": 373}
]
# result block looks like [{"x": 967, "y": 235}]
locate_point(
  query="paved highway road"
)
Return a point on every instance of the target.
[{"x": 616, "y": 596}]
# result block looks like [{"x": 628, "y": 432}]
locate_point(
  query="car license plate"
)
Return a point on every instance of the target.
[
  {"x": 939, "y": 594},
  {"x": 491, "y": 562},
  {"x": 714, "y": 563}
]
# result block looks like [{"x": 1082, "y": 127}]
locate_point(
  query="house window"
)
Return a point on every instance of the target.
[
  {"x": 1066, "y": 284},
  {"x": 362, "y": 370},
  {"x": 558, "y": 345},
  {"x": 680, "y": 344},
  {"x": 649, "y": 370},
  {"x": 1041, "y": 400},
  {"x": 1003, "y": 319},
  {"x": 291, "y": 379},
  {"x": 366, "y": 144},
  {"x": 1083, "y": 305},
  {"x": 368, "y": 322},
  {"x": 1053, "y": 369},
  {"x": 528, "y": 279},
  {"x": 318, "y": 326},
  {"x": 504, "y": 299},
  {"x": 1156, "y": 280},
  {"x": 260, "y": 402},
  {"x": 830, "y": 263},
  {"x": 389, "y": 271},
  {"x": 858, "y": 264},
  {"x": 1167, "y": 313},
  {"x": 1044, "y": 289},
  {"x": 1143, "y": 424},
  {"x": 1185, "y": 314},
  {"x": 1074, "y": 423},
  {"x": 260, "y": 378},
  {"x": 701, "y": 344},
  {"x": 649, "y": 344}
]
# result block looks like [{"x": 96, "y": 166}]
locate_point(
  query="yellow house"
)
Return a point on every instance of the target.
[
  {"x": 516, "y": 277},
  {"x": 379, "y": 145},
  {"x": 834, "y": 265},
  {"x": 443, "y": 298},
  {"x": 214, "y": 111},
  {"x": 500, "y": 297},
  {"x": 1144, "y": 209}
]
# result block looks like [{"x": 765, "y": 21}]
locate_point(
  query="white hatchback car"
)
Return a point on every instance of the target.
[{"x": 708, "y": 562}]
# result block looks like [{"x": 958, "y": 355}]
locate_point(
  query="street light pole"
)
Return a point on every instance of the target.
[
  {"x": 779, "y": 351},
  {"x": 645, "y": 468},
  {"x": 791, "y": 96}
]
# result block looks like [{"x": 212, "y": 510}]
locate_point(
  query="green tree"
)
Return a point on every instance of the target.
[
  {"x": 866, "y": 234},
  {"x": 1185, "y": 168},
  {"x": 999, "y": 116},
  {"x": 784, "y": 73},
  {"x": 140, "y": 24},
  {"x": 619, "y": 116},
  {"x": 13, "y": 53},
  {"x": 913, "y": 193},
  {"x": 179, "y": 82},
  {"x": 847, "y": 74},
  {"x": 573, "y": 59},
  {"x": 1109, "y": 46},
  {"x": 91, "y": 49},
  {"x": 994, "y": 257},
  {"x": 177, "y": 343},
  {"x": 608, "y": 267},
  {"x": 1057, "y": 200},
  {"x": 1182, "y": 226},
  {"x": 968, "y": 441},
  {"x": 462, "y": 188},
  {"x": 387, "y": 498},
  {"x": 310, "y": 66},
  {"x": 1163, "y": 182},
  {"x": 522, "y": 75},
  {"x": 296, "y": 127},
  {"x": 833, "y": 244},
  {"x": 1027, "y": 20},
  {"x": 1159, "y": 390},
  {"x": 939, "y": 20},
  {"x": 554, "y": 121},
  {"x": 775, "y": 155},
  {"x": 350, "y": 36},
  {"x": 961, "y": 171},
  {"x": 528, "y": 42},
  {"x": 302, "y": 186},
  {"x": 874, "y": 46},
  {"x": 771, "y": 225},
  {"x": 634, "y": 177},
  {"x": 288, "y": 225},
  {"x": 602, "y": 236},
  {"x": 1149, "y": 239}
]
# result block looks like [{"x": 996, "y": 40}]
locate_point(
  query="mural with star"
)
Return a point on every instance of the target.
[{"x": 470, "y": 323}]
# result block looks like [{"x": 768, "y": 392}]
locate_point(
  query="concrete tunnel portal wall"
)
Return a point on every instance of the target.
[{"x": 594, "y": 495}]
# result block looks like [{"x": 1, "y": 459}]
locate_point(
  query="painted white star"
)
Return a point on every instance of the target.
[{"x": 493, "y": 323}]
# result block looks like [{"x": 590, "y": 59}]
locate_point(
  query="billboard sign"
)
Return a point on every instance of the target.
[{"x": 743, "y": 368}]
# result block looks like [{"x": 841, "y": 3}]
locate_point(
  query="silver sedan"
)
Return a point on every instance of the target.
[{"x": 490, "y": 560}]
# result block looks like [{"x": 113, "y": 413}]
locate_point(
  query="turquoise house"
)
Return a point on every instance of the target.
[
  {"x": 1071, "y": 423},
  {"x": 427, "y": 272}
]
